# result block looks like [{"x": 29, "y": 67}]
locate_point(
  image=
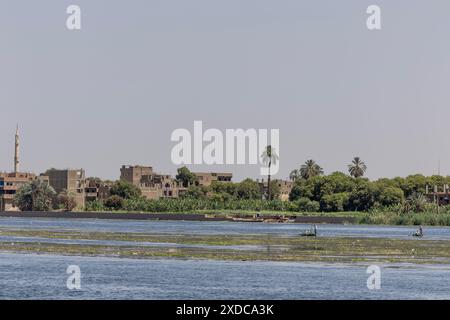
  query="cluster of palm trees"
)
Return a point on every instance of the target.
[{"x": 311, "y": 169}]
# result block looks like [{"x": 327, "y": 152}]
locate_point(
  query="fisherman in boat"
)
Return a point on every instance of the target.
[
  {"x": 419, "y": 232},
  {"x": 311, "y": 232}
]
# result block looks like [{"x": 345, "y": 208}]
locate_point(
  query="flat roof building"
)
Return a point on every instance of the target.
[
  {"x": 152, "y": 185},
  {"x": 207, "y": 178},
  {"x": 71, "y": 180},
  {"x": 10, "y": 183},
  {"x": 285, "y": 188}
]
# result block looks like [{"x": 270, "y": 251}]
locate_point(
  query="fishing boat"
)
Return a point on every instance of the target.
[
  {"x": 308, "y": 233},
  {"x": 312, "y": 232},
  {"x": 417, "y": 234},
  {"x": 248, "y": 220}
]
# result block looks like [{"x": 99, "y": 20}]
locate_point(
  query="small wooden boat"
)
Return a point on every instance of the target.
[
  {"x": 247, "y": 220},
  {"x": 273, "y": 220},
  {"x": 308, "y": 234}
]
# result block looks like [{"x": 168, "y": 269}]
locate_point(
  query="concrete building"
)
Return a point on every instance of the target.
[
  {"x": 11, "y": 182},
  {"x": 207, "y": 178},
  {"x": 97, "y": 190},
  {"x": 285, "y": 189},
  {"x": 438, "y": 194},
  {"x": 72, "y": 180},
  {"x": 134, "y": 174},
  {"x": 153, "y": 185},
  {"x": 284, "y": 186}
]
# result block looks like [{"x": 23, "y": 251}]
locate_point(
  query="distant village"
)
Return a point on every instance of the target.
[{"x": 153, "y": 185}]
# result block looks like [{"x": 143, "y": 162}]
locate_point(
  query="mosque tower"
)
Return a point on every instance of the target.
[{"x": 16, "y": 152}]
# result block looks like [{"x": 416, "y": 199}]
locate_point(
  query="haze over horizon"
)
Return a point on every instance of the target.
[{"x": 113, "y": 92}]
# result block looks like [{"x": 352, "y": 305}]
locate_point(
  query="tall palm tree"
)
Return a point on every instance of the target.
[
  {"x": 310, "y": 169},
  {"x": 294, "y": 175},
  {"x": 357, "y": 168},
  {"x": 269, "y": 156}
]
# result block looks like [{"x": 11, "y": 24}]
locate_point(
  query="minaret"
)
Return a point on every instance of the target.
[{"x": 16, "y": 151}]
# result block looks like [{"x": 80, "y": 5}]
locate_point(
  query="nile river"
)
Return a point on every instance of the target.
[{"x": 43, "y": 276}]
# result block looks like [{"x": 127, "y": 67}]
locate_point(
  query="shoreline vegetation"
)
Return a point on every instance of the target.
[
  {"x": 234, "y": 247},
  {"x": 356, "y": 218},
  {"x": 396, "y": 201}
]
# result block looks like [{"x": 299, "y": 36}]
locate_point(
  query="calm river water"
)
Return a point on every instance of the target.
[
  {"x": 210, "y": 227},
  {"x": 32, "y": 276},
  {"x": 24, "y": 276}
]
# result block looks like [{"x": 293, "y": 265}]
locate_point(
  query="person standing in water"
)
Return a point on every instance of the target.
[{"x": 315, "y": 229}]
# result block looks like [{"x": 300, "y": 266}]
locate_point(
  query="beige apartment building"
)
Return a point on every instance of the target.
[
  {"x": 153, "y": 185},
  {"x": 10, "y": 183},
  {"x": 207, "y": 178},
  {"x": 285, "y": 189},
  {"x": 284, "y": 186},
  {"x": 72, "y": 180},
  {"x": 97, "y": 190}
]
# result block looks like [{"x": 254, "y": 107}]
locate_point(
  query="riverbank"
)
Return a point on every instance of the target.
[
  {"x": 357, "y": 217},
  {"x": 199, "y": 216}
]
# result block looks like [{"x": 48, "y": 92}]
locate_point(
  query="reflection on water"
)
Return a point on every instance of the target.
[
  {"x": 211, "y": 227},
  {"x": 33, "y": 276}
]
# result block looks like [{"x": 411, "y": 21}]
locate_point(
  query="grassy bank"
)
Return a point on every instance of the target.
[
  {"x": 353, "y": 217},
  {"x": 390, "y": 218},
  {"x": 358, "y": 217}
]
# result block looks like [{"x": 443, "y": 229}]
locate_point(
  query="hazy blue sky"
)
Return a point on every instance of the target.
[{"x": 112, "y": 93}]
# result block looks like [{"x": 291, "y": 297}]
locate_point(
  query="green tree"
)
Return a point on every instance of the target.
[
  {"x": 294, "y": 175},
  {"x": 337, "y": 182},
  {"x": 186, "y": 177},
  {"x": 220, "y": 197},
  {"x": 195, "y": 192},
  {"x": 248, "y": 189},
  {"x": 114, "y": 202},
  {"x": 268, "y": 157},
  {"x": 66, "y": 200},
  {"x": 220, "y": 187},
  {"x": 310, "y": 169},
  {"x": 125, "y": 190},
  {"x": 334, "y": 202},
  {"x": 416, "y": 202},
  {"x": 357, "y": 168},
  {"x": 302, "y": 189},
  {"x": 362, "y": 198},
  {"x": 306, "y": 205},
  {"x": 95, "y": 205},
  {"x": 390, "y": 196},
  {"x": 36, "y": 195}
]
